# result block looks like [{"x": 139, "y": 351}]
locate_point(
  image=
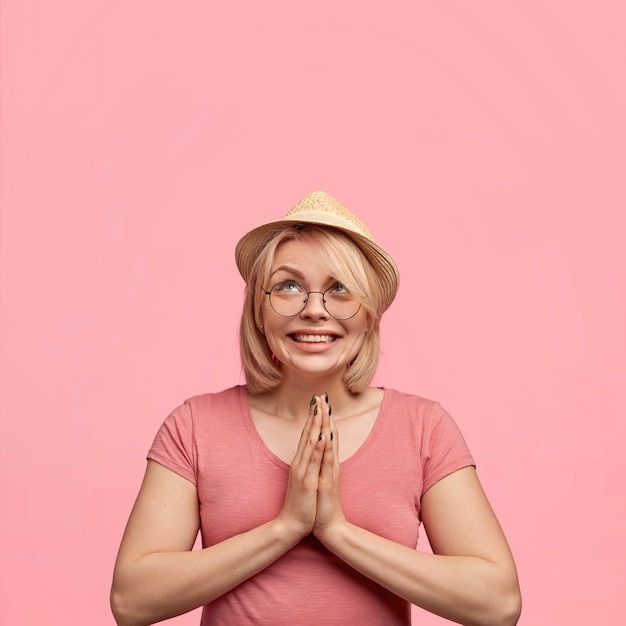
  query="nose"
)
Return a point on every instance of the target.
[{"x": 314, "y": 307}]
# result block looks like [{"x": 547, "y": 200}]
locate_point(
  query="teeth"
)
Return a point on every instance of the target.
[{"x": 314, "y": 338}]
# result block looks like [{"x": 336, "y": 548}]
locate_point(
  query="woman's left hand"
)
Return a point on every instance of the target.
[{"x": 329, "y": 512}]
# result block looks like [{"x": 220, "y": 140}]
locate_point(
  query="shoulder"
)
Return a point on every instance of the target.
[
  {"x": 411, "y": 404},
  {"x": 424, "y": 417},
  {"x": 225, "y": 397},
  {"x": 202, "y": 407}
]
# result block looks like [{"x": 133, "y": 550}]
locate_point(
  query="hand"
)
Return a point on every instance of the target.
[
  {"x": 329, "y": 512},
  {"x": 300, "y": 506}
]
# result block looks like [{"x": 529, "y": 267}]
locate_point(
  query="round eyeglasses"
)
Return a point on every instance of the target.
[{"x": 289, "y": 298}]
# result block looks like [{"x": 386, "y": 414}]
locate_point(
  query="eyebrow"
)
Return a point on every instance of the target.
[{"x": 290, "y": 270}]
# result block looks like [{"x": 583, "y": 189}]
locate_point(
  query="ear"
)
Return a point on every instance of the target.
[{"x": 258, "y": 318}]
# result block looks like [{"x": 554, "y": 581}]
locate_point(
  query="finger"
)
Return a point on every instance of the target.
[
  {"x": 334, "y": 435},
  {"x": 314, "y": 450},
  {"x": 310, "y": 432},
  {"x": 330, "y": 463},
  {"x": 328, "y": 489},
  {"x": 331, "y": 447},
  {"x": 326, "y": 413}
]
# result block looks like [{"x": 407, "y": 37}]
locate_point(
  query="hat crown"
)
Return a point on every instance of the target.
[{"x": 319, "y": 206}]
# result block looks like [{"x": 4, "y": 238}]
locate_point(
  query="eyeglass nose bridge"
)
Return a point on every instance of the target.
[{"x": 306, "y": 301}]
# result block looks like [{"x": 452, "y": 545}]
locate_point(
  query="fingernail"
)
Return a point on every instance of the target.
[
  {"x": 320, "y": 437},
  {"x": 330, "y": 410},
  {"x": 312, "y": 400},
  {"x": 331, "y": 435},
  {"x": 315, "y": 410},
  {"x": 326, "y": 396}
]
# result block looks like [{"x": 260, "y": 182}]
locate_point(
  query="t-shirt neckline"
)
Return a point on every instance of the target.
[{"x": 256, "y": 436}]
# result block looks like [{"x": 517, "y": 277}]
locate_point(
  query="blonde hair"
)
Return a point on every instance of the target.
[{"x": 342, "y": 259}]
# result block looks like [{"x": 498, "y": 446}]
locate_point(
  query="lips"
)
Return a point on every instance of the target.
[{"x": 307, "y": 338}]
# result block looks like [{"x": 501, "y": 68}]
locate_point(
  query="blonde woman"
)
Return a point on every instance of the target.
[{"x": 307, "y": 484}]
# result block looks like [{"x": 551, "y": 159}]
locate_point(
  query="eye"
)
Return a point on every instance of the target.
[
  {"x": 338, "y": 288},
  {"x": 288, "y": 286}
]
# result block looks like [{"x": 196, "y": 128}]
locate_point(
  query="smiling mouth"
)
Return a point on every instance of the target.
[{"x": 313, "y": 338}]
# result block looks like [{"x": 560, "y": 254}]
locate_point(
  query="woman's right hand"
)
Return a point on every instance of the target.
[
  {"x": 300, "y": 507},
  {"x": 157, "y": 573}
]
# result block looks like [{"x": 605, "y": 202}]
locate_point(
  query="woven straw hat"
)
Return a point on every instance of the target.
[{"x": 318, "y": 207}]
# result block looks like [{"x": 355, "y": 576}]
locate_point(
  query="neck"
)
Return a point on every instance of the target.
[{"x": 291, "y": 398}]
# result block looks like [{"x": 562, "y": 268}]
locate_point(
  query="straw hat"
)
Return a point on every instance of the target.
[{"x": 318, "y": 207}]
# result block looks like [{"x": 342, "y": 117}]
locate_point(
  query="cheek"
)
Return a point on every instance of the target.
[
  {"x": 263, "y": 313},
  {"x": 367, "y": 322},
  {"x": 271, "y": 330},
  {"x": 359, "y": 334}
]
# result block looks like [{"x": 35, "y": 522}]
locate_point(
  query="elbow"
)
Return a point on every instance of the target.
[
  {"x": 498, "y": 607},
  {"x": 514, "y": 609},
  {"x": 504, "y": 601},
  {"x": 124, "y": 612},
  {"x": 506, "y": 611},
  {"x": 119, "y": 609}
]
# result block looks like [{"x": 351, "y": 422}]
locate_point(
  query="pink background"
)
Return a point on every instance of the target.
[{"x": 483, "y": 143}]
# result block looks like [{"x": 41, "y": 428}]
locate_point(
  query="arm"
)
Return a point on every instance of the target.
[
  {"x": 470, "y": 578},
  {"x": 158, "y": 575}
]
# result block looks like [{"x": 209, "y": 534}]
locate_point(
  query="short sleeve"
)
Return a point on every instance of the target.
[
  {"x": 444, "y": 449},
  {"x": 174, "y": 447}
]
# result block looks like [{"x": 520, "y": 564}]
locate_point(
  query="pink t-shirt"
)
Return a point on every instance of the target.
[{"x": 211, "y": 441}]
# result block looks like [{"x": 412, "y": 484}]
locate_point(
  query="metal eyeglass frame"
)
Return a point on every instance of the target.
[{"x": 306, "y": 301}]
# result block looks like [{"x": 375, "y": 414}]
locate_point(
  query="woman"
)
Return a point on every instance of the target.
[{"x": 309, "y": 485}]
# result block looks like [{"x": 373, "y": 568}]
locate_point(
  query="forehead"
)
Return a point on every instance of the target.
[
  {"x": 299, "y": 255},
  {"x": 295, "y": 249}
]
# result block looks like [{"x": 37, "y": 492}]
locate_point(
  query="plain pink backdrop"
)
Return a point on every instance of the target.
[{"x": 483, "y": 143}]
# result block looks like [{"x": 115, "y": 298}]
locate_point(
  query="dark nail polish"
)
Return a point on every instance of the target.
[
  {"x": 320, "y": 437},
  {"x": 330, "y": 410},
  {"x": 331, "y": 435},
  {"x": 312, "y": 400},
  {"x": 315, "y": 410},
  {"x": 326, "y": 396}
]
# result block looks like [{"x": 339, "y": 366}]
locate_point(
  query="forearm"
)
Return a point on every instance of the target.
[
  {"x": 161, "y": 585},
  {"x": 464, "y": 589}
]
